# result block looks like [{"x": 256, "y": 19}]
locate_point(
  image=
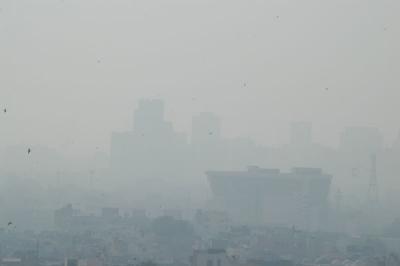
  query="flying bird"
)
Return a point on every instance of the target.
[
  {"x": 29, "y": 150},
  {"x": 9, "y": 223},
  {"x": 5, "y": 110}
]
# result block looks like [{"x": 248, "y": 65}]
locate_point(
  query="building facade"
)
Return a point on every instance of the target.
[{"x": 269, "y": 196}]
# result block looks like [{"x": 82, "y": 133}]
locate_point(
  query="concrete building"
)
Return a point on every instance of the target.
[{"x": 268, "y": 196}]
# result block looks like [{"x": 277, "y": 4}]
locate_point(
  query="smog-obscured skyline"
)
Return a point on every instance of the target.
[
  {"x": 199, "y": 133},
  {"x": 74, "y": 70}
]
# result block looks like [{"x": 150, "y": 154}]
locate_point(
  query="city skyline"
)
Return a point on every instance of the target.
[
  {"x": 199, "y": 133},
  {"x": 257, "y": 72},
  {"x": 285, "y": 137}
]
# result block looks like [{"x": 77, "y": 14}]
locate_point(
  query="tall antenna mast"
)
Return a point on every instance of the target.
[{"x": 373, "y": 197}]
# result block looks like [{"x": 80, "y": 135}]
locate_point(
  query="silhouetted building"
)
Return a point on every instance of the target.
[
  {"x": 260, "y": 196},
  {"x": 149, "y": 117},
  {"x": 151, "y": 154}
]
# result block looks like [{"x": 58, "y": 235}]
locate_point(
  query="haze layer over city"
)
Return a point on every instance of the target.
[{"x": 246, "y": 133}]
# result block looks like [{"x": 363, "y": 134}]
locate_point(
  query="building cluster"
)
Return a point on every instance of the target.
[
  {"x": 161, "y": 161},
  {"x": 208, "y": 238},
  {"x": 153, "y": 153},
  {"x": 327, "y": 206}
]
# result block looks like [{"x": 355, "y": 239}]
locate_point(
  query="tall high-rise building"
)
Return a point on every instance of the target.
[
  {"x": 149, "y": 117},
  {"x": 152, "y": 153}
]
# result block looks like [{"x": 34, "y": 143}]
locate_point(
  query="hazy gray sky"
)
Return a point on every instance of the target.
[{"x": 73, "y": 70}]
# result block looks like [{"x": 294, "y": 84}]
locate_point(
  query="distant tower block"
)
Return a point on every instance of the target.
[{"x": 373, "y": 197}]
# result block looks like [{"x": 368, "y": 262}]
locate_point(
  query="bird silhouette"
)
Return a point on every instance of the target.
[
  {"x": 29, "y": 150},
  {"x": 9, "y": 223},
  {"x": 5, "y": 110}
]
